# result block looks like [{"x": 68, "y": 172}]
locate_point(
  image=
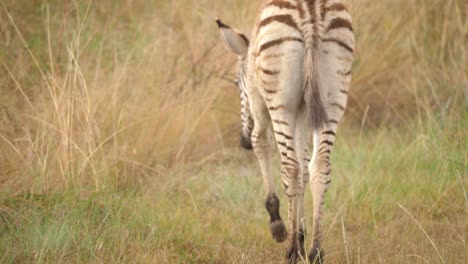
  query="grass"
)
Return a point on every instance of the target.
[
  {"x": 119, "y": 130},
  {"x": 400, "y": 199}
]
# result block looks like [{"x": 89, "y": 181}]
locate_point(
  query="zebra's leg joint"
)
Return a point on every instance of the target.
[{"x": 277, "y": 227}]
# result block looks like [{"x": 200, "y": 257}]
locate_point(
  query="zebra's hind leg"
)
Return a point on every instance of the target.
[
  {"x": 301, "y": 136},
  {"x": 320, "y": 169},
  {"x": 262, "y": 148},
  {"x": 291, "y": 167}
]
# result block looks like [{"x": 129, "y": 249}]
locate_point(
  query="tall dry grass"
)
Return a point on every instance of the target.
[
  {"x": 411, "y": 59},
  {"x": 101, "y": 94}
]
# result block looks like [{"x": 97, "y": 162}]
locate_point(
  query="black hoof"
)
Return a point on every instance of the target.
[
  {"x": 294, "y": 255},
  {"x": 316, "y": 256},
  {"x": 278, "y": 230},
  {"x": 246, "y": 142},
  {"x": 277, "y": 227}
]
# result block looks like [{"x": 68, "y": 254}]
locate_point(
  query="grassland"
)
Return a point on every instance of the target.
[{"x": 119, "y": 129}]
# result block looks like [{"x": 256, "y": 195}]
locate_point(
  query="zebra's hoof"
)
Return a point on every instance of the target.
[
  {"x": 278, "y": 230},
  {"x": 293, "y": 255},
  {"x": 316, "y": 256},
  {"x": 246, "y": 142}
]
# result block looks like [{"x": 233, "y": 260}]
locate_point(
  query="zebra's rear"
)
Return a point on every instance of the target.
[
  {"x": 285, "y": 32},
  {"x": 298, "y": 71},
  {"x": 301, "y": 54}
]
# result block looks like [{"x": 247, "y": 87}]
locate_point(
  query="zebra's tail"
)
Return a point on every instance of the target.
[{"x": 312, "y": 95}]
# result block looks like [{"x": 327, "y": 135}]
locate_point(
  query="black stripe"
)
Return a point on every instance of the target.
[
  {"x": 339, "y": 22},
  {"x": 284, "y": 135},
  {"x": 286, "y": 146},
  {"x": 275, "y": 42},
  {"x": 340, "y": 43},
  {"x": 329, "y": 132},
  {"x": 326, "y": 183},
  {"x": 285, "y": 19},
  {"x": 328, "y": 151},
  {"x": 293, "y": 160},
  {"x": 328, "y": 142},
  {"x": 338, "y": 105},
  {"x": 335, "y": 7}
]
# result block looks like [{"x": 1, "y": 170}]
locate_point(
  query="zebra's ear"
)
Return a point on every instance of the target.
[{"x": 235, "y": 41}]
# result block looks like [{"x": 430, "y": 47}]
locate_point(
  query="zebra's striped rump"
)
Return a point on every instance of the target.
[{"x": 294, "y": 75}]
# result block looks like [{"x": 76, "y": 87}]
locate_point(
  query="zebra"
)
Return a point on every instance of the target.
[{"x": 294, "y": 75}]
